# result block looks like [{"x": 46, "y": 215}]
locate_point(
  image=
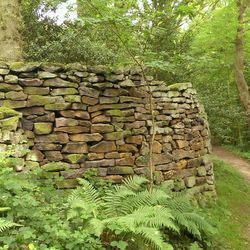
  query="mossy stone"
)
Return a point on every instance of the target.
[
  {"x": 190, "y": 181},
  {"x": 16, "y": 163},
  {"x": 39, "y": 100},
  {"x": 179, "y": 86},
  {"x": 46, "y": 75},
  {"x": 36, "y": 90},
  {"x": 6, "y": 112},
  {"x": 14, "y": 104},
  {"x": 65, "y": 184},
  {"x": 10, "y": 87},
  {"x": 50, "y": 175},
  {"x": 120, "y": 170},
  {"x": 142, "y": 161},
  {"x": 116, "y": 135},
  {"x": 9, "y": 123},
  {"x": 31, "y": 165},
  {"x": 179, "y": 185},
  {"x": 20, "y": 67},
  {"x": 4, "y": 71},
  {"x": 201, "y": 171},
  {"x": 11, "y": 79},
  {"x": 55, "y": 166},
  {"x": 57, "y": 106},
  {"x": 114, "y": 112},
  {"x": 72, "y": 98},
  {"x": 75, "y": 158},
  {"x": 42, "y": 128}
]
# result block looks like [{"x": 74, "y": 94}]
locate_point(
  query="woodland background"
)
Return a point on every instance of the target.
[{"x": 205, "y": 42}]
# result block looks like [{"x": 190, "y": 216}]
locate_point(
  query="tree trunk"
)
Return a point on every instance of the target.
[
  {"x": 10, "y": 30},
  {"x": 242, "y": 87}
]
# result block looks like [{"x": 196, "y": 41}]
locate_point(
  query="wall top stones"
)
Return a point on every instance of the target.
[{"x": 96, "y": 117}]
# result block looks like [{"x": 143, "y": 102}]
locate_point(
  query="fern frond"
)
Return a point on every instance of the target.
[
  {"x": 86, "y": 192},
  {"x": 98, "y": 226},
  {"x": 134, "y": 182},
  {"x": 4, "y": 209},
  {"x": 158, "y": 197},
  {"x": 123, "y": 202},
  {"x": 84, "y": 198},
  {"x": 202, "y": 225},
  {"x": 153, "y": 238},
  {"x": 179, "y": 203},
  {"x": 157, "y": 217},
  {"x": 4, "y": 225}
]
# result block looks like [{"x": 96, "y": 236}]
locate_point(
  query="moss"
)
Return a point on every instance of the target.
[
  {"x": 14, "y": 162},
  {"x": 39, "y": 100},
  {"x": 116, "y": 135},
  {"x": 55, "y": 166},
  {"x": 179, "y": 86},
  {"x": 6, "y": 112},
  {"x": 121, "y": 170},
  {"x": 43, "y": 128},
  {"x": 23, "y": 67},
  {"x": 72, "y": 98},
  {"x": 114, "y": 112},
  {"x": 66, "y": 184},
  {"x": 9, "y": 123},
  {"x": 75, "y": 158}
]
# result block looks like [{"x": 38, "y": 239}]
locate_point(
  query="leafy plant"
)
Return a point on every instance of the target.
[
  {"x": 133, "y": 214},
  {"x": 4, "y": 224}
]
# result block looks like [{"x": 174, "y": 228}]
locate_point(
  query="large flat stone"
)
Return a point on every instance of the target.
[
  {"x": 86, "y": 137},
  {"x": 16, "y": 96},
  {"x": 100, "y": 163},
  {"x": 47, "y": 146},
  {"x": 4, "y": 87},
  {"x": 102, "y": 128},
  {"x": 30, "y": 82},
  {"x": 63, "y": 91},
  {"x": 58, "y": 82},
  {"x": 62, "y": 138},
  {"x": 85, "y": 91},
  {"x": 66, "y": 122},
  {"x": 76, "y": 114},
  {"x": 103, "y": 147},
  {"x": 39, "y": 100},
  {"x": 121, "y": 170},
  {"x": 36, "y": 90},
  {"x": 43, "y": 128},
  {"x": 73, "y": 130},
  {"x": 75, "y": 148},
  {"x": 57, "y": 106}
]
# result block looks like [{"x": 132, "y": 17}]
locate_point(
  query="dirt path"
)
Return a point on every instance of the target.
[{"x": 243, "y": 166}]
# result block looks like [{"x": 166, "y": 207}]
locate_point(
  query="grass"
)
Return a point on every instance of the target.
[
  {"x": 231, "y": 213},
  {"x": 238, "y": 151}
]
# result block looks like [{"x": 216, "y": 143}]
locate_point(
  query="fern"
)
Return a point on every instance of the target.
[
  {"x": 4, "y": 224},
  {"x": 153, "y": 238},
  {"x": 130, "y": 212},
  {"x": 134, "y": 182}
]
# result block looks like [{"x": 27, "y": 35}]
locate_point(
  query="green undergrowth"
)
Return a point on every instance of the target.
[{"x": 231, "y": 212}]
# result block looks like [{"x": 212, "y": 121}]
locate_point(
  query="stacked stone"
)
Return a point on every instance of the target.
[
  {"x": 13, "y": 142},
  {"x": 78, "y": 118}
]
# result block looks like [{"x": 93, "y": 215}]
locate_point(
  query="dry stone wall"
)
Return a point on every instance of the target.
[{"x": 77, "y": 117}]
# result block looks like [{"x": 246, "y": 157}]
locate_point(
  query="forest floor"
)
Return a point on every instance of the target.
[{"x": 238, "y": 202}]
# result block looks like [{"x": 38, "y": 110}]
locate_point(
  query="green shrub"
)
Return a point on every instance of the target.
[{"x": 96, "y": 215}]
